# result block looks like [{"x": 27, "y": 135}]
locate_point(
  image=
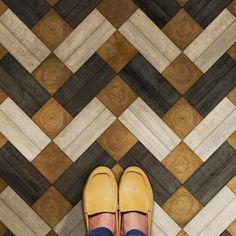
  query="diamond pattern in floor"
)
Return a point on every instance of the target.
[{"x": 117, "y": 83}]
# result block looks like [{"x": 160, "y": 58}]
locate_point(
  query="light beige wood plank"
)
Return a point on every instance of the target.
[
  {"x": 217, "y": 49},
  {"x": 222, "y": 221},
  {"x": 13, "y": 222},
  {"x": 154, "y": 123},
  {"x": 24, "y": 212},
  {"x": 17, "y": 49},
  {"x": 86, "y": 138},
  {"x": 17, "y": 137},
  {"x": 144, "y": 135},
  {"x": 24, "y": 35},
  {"x": 70, "y": 221},
  {"x": 79, "y": 123},
  {"x": 25, "y": 124},
  {"x": 92, "y": 44},
  {"x": 209, "y": 35},
  {"x": 217, "y": 137},
  {"x": 210, "y": 212},
  {"x": 144, "y": 46},
  {"x": 155, "y": 35},
  {"x": 79, "y": 35},
  {"x": 209, "y": 123}
]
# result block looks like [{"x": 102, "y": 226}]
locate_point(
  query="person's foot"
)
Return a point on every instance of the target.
[
  {"x": 106, "y": 220},
  {"x": 134, "y": 220}
]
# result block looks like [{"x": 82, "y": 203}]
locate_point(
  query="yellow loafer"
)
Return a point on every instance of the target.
[
  {"x": 135, "y": 194},
  {"x": 100, "y": 194}
]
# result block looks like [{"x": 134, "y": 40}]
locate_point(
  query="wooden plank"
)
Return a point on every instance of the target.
[
  {"x": 149, "y": 84},
  {"x": 154, "y": 123},
  {"x": 25, "y": 124},
  {"x": 92, "y": 44},
  {"x": 217, "y": 137},
  {"x": 71, "y": 183},
  {"x": 217, "y": 49},
  {"x": 155, "y": 35},
  {"x": 16, "y": 48},
  {"x": 164, "y": 221},
  {"x": 79, "y": 123},
  {"x": 18, "y": 138},
  {"x": 79, "y": 35},
  {"x": 89, "y": 135},
  {"x": 209, "y": 212},
  {"x": 209, "y": 123},
  {"x": 222, "y": 221},
  {"x": 70, "y": 221},
  {"x": 24, "y": 35},
  {"x": 144, "y": 46},
  {"x": 209, "y": 35},
  {"x": 213, "y": 175},
  {"x": 13, "y": 222},
  {"x": 21, "y": 175},
  {"x": 24, "y": 212},
  {"x": 21, "y": 86}
]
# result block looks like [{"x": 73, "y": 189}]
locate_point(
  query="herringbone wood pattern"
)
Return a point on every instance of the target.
[{"x": 117, "y": 83}]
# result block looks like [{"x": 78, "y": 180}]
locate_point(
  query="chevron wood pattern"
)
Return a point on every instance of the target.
[{"x": 117, "y": 83}]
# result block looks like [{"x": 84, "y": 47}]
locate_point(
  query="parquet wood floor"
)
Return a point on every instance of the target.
[{"x": 150, "y": 83}]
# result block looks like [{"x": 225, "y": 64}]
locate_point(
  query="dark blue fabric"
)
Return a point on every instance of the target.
[
  {"x": 102, "y": 231},
  {"x": 135, "y": 232}
]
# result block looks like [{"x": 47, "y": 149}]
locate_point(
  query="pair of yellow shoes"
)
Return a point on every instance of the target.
[{"x": 101, "y": 194}]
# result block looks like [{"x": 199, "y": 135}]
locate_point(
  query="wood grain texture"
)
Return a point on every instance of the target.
[
  {"x": 117, "y": 51},
  {"x": 52, "y": 74},
  {"x": 232, "y": 51},
  {"x": 232, "y": 228},
  {"x": 24, "y": 35},
  {"x": 52, "y": 162},
  {"x": 149, "y": 84},
  {"x": 11, "y": 220},
  {"x": 117, "y": 96},
  {"x": 217, "y": 137},
  {"x": 29, "y": 12},
  {"x": 26, "y": 181},
  {"x": 70, "y": 221},
  {"x": 57, "y": 206},
  {"x": 117, "y": 140},
  {"x": 93, "y": 28},
  {"x": 160, "y": 12},
  {"x": 209, "y": 35},
  {"x": 182, "y": 118},
  {"x": 182, "y": 29},
  {"x": 209, "y": 124},
  {"x": 52, "y": 118},
  {"x": 217, "y": 49},
  {"x": 182, "y": 73},
  {"x": 209, "y": 212},
  {"x": 119, "y": 12},
  {"x": 158, "y": 52},
  {"x": 16, "y": 48},
  {"x": 74, "y": 12},
  {"x": 24, "y": 212},
  {"x": 71, "y": 183},
  {"x": 3, "y": 185},
  {"x": 182, "y": 162},
  {"x": 3, "y": 7},
  {"x": 3, "y": 51},
  {"x": 213, "y": 174},
  {"x": 232, "y": 184},
  {"x": 221, "y": 222},
  {"x": 232, "y": 7},
  {"x": 205, "y": 12},
  {"x": 24, "y": 124},
  {"x": 3, "y": 96},
  {"x": 213, "y": 86},
  {"x": 232, "y": 96},
  {"x": 182, "y": 206},
  {"x": 52, "y": 29},
  {"x": 158, "y": 175},
  {"x": 26, "y": 92},
  {"x": 84, "y": 85}
]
